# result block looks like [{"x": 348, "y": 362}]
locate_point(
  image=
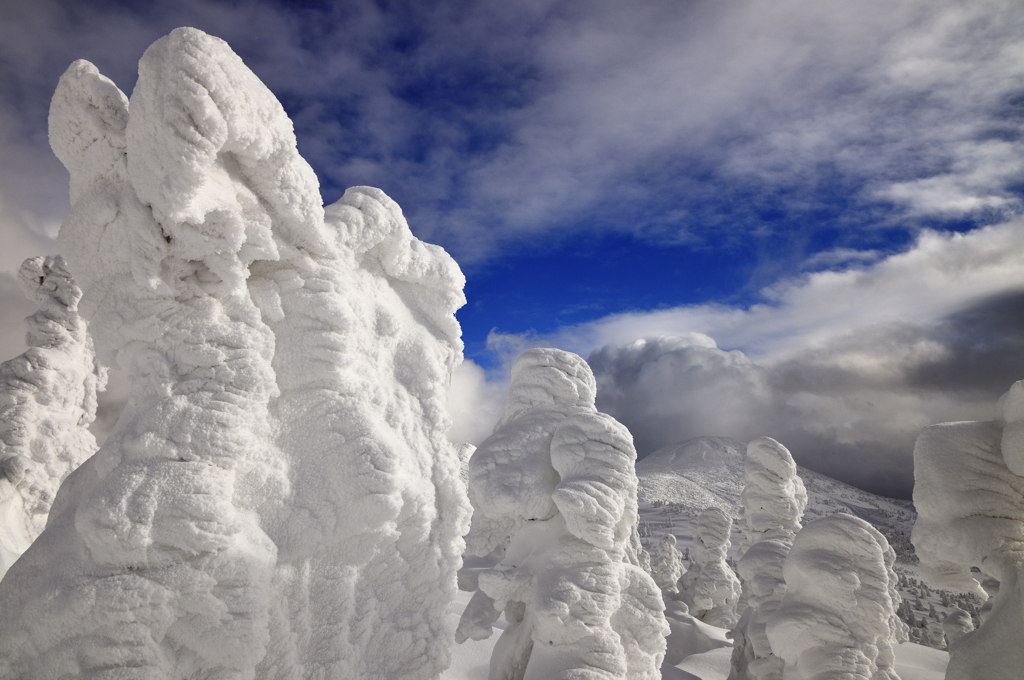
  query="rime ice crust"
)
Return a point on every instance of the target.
[
  {"x": 554, "y": 499},
  {"x": 710, "y": 588},
  {"x": 838, "y": 617},
  {"x": 279, "y": 499},
  {"x": 970, "y": 506},
  {"x": 47, "y": 401},
  {"x": 774, "y": 499}
]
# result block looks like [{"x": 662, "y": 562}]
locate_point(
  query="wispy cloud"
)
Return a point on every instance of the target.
[{"x": 499, "y": 124}]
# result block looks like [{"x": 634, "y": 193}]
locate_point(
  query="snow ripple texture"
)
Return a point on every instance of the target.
[
  {"x": 969, "y": 494},
  {"x": 47, "y": 401},
  {"x": 279, "y": 498},
  {"x": 838, "y": 617},
  {"x": 554, "y": 506}
]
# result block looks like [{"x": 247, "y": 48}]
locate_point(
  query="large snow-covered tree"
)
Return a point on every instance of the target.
[
  {"x": 838, "y": 616},
  {"x": 47, "y": 402},
  {"x": 554, "y": 506},
  {"x": 278, "y": 498},
  {"x": 774, "y": 499},
  {"x": 969, "y": 495},
  {"x": 710, "y": 588}
]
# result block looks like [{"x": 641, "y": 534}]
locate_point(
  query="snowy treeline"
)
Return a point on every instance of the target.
[
  {"x": 47, "y": 402},
  {"x": 278, "y": 498},
  {"x": 554, "y": 507}
]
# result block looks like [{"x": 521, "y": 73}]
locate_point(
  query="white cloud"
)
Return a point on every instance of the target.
[
  {"x": 845, "y": 367},
  {"x": 940, "y": 274},
  {"x": 475, "y": 403},
  {"x": 610, "y": 115}
]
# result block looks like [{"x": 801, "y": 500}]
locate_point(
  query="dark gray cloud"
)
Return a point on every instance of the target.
[
  {"x": 850, "y": 408},
  {"x": 985, "y": 345}
]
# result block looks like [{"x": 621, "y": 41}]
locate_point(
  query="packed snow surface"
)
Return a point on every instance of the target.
[
  {"x": 47, "y": 401},
  {"x": 554, "y": 510},
  {"x": 278, "y": 498}
]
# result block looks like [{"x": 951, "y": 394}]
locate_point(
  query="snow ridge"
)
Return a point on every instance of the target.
[{"x": 278, "y": 499}]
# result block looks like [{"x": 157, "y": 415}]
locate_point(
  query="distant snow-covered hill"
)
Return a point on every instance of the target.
[{"x": 684, "y": 479}]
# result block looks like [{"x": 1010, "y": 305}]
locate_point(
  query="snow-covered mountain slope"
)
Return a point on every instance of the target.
[
  {"x": 678, "y": 482},
  {"x": 684, "y": 479}
]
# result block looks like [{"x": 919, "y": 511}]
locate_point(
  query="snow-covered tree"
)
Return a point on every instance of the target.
[
  {"x": 47, "y": 401},
  {"x": 554, "y": 505},
  {"x": 969, "y": 494},
  {"x": 710, "y": 588},
  {"x": 838, "y": 616},
  {"x": 956, "y": 625},
  {"x": 773, "y": 499},
  {"x": 667, "y": 566},
  {"x": 278, "y": 498}
]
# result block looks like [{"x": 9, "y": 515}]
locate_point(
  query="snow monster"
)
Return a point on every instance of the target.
[
  {"x": 969, "y": 495},
  {"x": 554, "y": 509},
  {"x": 838, "y": 616},
  {"x": 278, "y": 498}
]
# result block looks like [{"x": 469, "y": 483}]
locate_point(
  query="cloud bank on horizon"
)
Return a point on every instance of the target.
[
  {"x": 845, "y": 367},
  {"x": 830, "y": 190}
]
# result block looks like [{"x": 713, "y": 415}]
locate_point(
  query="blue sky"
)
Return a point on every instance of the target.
[{"x": 607, "y": 171}]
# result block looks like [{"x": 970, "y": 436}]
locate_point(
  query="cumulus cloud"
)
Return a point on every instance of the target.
[
  {"x": 939, "y": 274},
  {"x": 844, "y": 367},
  {"x": 475, "y": 404}
]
